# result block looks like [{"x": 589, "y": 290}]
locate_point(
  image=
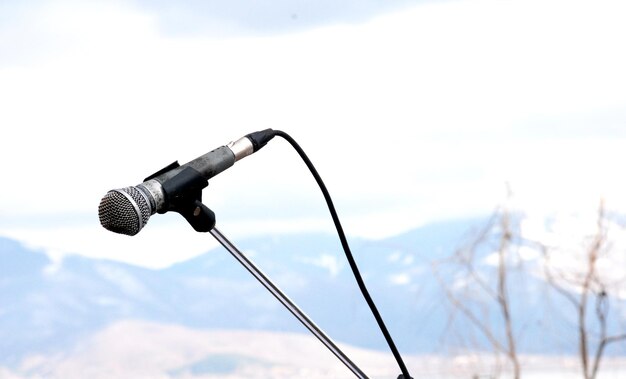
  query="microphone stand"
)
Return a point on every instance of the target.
[
  {"x": 284, "y": 300},
  {"x": 181, "y": 191},
  {"x": 184, "y": 191}
]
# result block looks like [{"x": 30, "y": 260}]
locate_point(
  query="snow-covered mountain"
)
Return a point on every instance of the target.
[{"x": 50, "y": 306}]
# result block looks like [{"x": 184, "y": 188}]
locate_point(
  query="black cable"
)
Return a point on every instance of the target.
[{"x": 346, "y": 249}]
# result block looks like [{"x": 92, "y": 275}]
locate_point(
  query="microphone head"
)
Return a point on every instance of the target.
[{"x": 126, "y": 210}]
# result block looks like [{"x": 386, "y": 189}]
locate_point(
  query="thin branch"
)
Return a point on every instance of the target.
[
  {"x": 602, "y": 307},
  {"x": 470, "y": 315},
  {"x": 550, "y": 278},
  {"x": 503, "y": 299}
]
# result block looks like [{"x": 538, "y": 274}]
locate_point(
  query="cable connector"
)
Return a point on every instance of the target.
[{"x": 260, "y": 138}]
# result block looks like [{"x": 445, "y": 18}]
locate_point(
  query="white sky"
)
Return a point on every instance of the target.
[{"x": 411, "y": 117}]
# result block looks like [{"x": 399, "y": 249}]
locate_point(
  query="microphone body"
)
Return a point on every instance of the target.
[
  {"x": 127, "y": 210},
  {"x": 207, "y": 165}
]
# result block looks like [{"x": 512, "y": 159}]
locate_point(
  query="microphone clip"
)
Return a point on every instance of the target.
[{"x": 183, "y": 194}]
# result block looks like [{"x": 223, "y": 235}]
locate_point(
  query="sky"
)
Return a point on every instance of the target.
[{"x": 413, "y": 112}]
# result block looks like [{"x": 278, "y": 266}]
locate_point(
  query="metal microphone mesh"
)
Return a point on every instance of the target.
[{"x": 124, "y": 211}]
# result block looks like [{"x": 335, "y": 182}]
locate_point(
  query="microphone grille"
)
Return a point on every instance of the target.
[{"x": 124, "y": 211}]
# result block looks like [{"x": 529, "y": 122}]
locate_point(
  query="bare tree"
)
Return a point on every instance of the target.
[
  {"x": 587, "y": 290},
  {"x": 500, "y": 336}
]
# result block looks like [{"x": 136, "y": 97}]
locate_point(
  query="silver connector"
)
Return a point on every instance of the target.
[
  {"x": 241, "y": 148},
  {"x": 155, "y": 189}
]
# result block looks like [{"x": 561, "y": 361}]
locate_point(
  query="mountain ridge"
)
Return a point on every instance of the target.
[{"x": 49, "y": 306}]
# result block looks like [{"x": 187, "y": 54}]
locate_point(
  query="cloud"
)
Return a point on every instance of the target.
[
  {"x": 410, "y": 116},
  {"x": 400, "y": 279},
  {"x": 248, "y": 17},
  {"x": 327, "y": 261}
]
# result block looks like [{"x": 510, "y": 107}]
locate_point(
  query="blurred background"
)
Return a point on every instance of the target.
[{"x": 472, "y": 149}]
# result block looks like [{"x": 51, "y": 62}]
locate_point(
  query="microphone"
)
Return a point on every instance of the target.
[{"x": 175, "y": 187}]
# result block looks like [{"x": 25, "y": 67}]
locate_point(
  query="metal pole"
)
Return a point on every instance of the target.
[{"x": 278, "y": 294}]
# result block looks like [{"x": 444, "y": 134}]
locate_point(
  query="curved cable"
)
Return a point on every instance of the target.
[{"x": 346, "y": 249}]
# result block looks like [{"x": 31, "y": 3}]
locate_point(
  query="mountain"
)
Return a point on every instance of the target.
[
  {"x": 141, "y": 349},
  {"x": 47, "y": 307}
]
